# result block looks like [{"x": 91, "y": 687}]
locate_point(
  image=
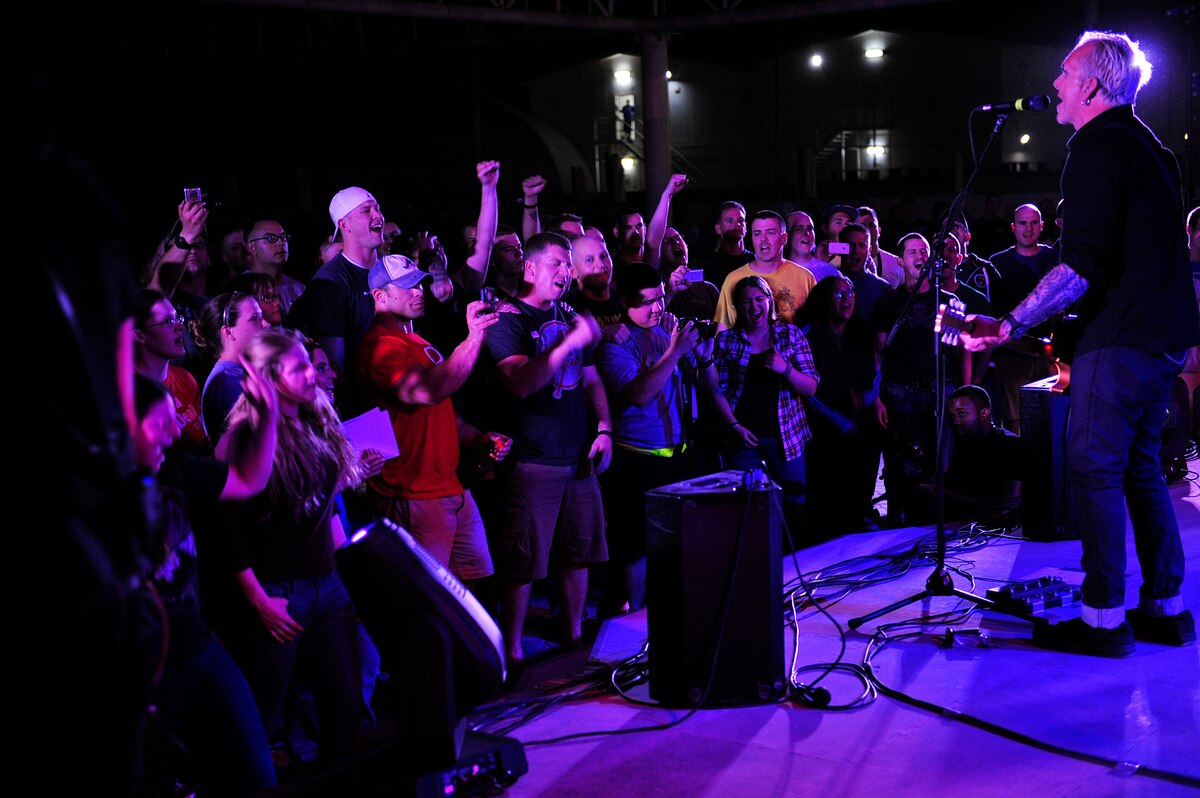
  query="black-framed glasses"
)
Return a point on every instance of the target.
[
  {"x": 272, "y": 238},
  {"x": 169, "y": 321},
  {"x": 646, "y": 303},
  {"x": 268, "y": 298},
  {"x": 234, "y": 298},
  {"x": 843, "y": 294}
]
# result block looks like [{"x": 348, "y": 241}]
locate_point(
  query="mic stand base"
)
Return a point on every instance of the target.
[{"x": 939, "y": 583}]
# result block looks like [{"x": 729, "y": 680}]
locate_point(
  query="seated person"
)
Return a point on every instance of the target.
[{"x": 984, "y": 472}]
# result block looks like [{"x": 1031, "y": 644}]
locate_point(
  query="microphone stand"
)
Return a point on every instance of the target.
[{"x": 939, "y": 582}]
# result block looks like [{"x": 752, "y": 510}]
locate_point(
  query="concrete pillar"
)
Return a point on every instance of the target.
[{"x": 656, "y": 116}]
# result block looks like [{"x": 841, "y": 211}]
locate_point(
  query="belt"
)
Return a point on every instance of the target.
[{"x": 666, "y": 451}]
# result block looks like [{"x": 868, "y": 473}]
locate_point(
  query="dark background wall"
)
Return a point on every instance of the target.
[{"x": 272, "y": 109}]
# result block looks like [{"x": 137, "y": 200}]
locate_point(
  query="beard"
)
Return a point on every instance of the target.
[{"x": 596, "y": 283}]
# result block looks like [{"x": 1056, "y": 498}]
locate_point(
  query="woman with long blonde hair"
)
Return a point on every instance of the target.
[{"x": 281, "y": 547}]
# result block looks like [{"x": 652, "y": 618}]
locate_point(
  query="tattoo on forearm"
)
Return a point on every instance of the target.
[{"x": 1056, "y": 292}]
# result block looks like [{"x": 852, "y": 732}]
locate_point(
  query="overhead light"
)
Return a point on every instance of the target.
[
  {"x": 875, "y": 150},
  {"x": 669, "y": 76},
  {"x": 1025, "y": 138},
  {"x": 873, "y": 52},
  {"x": 623, "y": 77},
  {"x": 816, "y": 60},
  {"x": 628, "y": 163}
]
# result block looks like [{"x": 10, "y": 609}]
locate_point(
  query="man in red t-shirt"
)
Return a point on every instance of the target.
[{"x": 404, "y": 374}]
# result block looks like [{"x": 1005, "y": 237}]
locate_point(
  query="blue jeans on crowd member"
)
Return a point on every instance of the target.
[
  {"x": 1114, "y": 434},
  {"x": 789, "y": 474},
  {"x": 329, "y": 649},
  {"x": 209, "y": 705}
]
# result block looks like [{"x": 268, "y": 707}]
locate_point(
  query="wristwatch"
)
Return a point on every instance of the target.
[
  {"x": 182, "y": 242},
  {"x": 1015, "y": 328}
]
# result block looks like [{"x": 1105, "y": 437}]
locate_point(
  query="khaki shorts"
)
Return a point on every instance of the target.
[
  {"x": 451, "y": 529},
  {"x": 547, "y": 516}
]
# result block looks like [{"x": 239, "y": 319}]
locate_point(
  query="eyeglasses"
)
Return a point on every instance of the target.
[
  {"x": 272, "y": 238},
  {"x": 268, "y": 298},
  {"x": 843, "y": 295},
  {"x": 169, "y": 321}
]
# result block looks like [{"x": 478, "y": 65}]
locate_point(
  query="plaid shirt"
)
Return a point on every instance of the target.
[{"x": 732, "y": 354}]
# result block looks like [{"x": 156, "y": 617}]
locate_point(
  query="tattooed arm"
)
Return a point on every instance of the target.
[{"x": 1056, "y": 292}]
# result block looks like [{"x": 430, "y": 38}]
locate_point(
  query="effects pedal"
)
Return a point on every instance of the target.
[{"x": 1035, "y": 595}]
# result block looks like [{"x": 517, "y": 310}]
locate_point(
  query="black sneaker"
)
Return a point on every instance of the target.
[
  {"x": 1168, "y": 630},
  {"x": 1076, "y": 637}
]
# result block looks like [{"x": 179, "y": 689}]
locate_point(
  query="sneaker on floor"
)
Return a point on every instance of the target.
[
  {"x": 1168, "y": 630},
  {"x": 1076, "y": 637}
]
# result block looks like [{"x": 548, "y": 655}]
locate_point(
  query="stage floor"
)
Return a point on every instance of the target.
[{"x": 1143, "y": 711}]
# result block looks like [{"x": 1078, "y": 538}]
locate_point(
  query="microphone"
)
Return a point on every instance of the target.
[{"x": 1038, "y": 102}]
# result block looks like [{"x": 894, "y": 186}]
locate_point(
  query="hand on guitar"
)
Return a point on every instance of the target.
[
  {"x": 975, "y": 333},
  {"x": 985, "y": 333}
]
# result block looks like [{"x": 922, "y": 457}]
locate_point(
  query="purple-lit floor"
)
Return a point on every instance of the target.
[{"x": 1144, "y": 710}]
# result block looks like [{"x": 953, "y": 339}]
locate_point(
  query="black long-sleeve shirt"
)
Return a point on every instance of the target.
[{"x": 1123, "y": 231}]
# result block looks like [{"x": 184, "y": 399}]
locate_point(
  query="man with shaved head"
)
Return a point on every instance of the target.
[{"x": 1021, "y": 361}]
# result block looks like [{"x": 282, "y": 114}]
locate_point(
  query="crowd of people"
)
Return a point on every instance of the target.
[{"x": 536, "y": 389}]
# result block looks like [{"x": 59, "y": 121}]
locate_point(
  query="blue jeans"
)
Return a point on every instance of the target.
[
  {"x": 328, "y": 646},
  {"x": 207, "y": 702},
  {"x": 769, "y": 452},
  {"x": 1114, "y": 434}
]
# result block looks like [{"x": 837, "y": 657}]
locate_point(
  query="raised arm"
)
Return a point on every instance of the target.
[
  {"x": 531, "y": 223},
  {"x": 433, "y": 384},
  {"x": 169, "y": 269},
  {"x": 658, "y": 222},
  {"x": 250, "y": 452},
  {"x": 472, "y": 275}
]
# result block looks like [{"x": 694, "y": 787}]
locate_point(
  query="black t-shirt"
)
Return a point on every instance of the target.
[
  {"x": 337, "y": 304},
  {"x": 718, "y": 265},
  {"x": 696, "y": 301},
  {"x": 551, "y": 425},
  {"x": 605, "y": 311},
  {"x": 1019, "y": 274},
  {"x": 845, "y": 363},
  {"x": 284, "y": 538},
  {"x": 758, "y": 406},
  {"x": 981, "y": 466},
  {"x": 910, "y": 357}
]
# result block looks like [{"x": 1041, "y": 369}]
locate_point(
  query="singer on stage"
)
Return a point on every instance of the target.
[{"x": 1124, "y": 254}]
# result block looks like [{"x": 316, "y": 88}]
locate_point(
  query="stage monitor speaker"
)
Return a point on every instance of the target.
[
  {"x": 692, "y": 537},
  {"x": 1046, "y": 503}
]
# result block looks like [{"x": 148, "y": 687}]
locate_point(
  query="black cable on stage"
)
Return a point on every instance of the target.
[{"x": 1009, "y": 734}]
